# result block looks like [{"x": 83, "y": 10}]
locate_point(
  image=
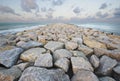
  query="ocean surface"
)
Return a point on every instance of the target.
[{"x": 6, "y": 28}]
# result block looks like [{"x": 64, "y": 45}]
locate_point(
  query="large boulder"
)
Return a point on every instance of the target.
[
  {"x": 9, "y": 57},
  {"x": 111, "y": 53},
  {"x": 79, "y": 54},
  {"x": 61, "y": 53},
  {"x": 44, "y": 60},
  {"x": 77, "y": 40},
  {"x": 94, "y": 61},
  {"x": 93, "y": 43},
  {"x": 106, "y": 79},
  {"x": 42, "y": 74},
  {"x": 52, "y": 45},
  {"x": 32, "y": 54},
  {"x": 63, "y": 63},
  {"x": 86, "y": 50},
  {"x": 79, "y": 63},
  {"x": 71, "y": 45},
  {"x": 106, "y": 65},
  {"x": 29, "y": 44},
  {"x": 84, "y": 75},
  {"x": 11, "y": 74}
]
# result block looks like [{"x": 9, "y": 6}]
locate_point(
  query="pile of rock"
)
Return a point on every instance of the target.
[{"x": 60, "y": 52}]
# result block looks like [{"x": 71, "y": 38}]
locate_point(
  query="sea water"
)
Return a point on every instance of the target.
[{"x": 16, "y": 27}]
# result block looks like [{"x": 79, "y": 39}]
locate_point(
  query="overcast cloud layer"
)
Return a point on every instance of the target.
[{"x": 59, "y": 11}]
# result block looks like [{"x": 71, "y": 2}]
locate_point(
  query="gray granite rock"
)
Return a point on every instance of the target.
[
  {"x": 79, "y": 54},
  {"x": 77, "y": 40},
  {"x": 94, "y": 61},
  {"x": 71, "y": 45},
  {"x": 106, "y": 65},
  {"x": 61, "y": 53},
  {"x": 30, "y": 44},
  {"x": 52, "y": 45},
  {"x": 79, "y": 63},
  {"x": 63, "y": 63},
  {"x": 117, "y": 69},
  {"x": 42, "y": 74},
  {"x": 32, "y": 54},
  {"x": 11, "y": 74},
  {"x": 84, "y": 75},
  {"x": 44, "y": 60},
  {"x": 9, "y": 57},
  {"x": 22, "y": 66},
  {"x": 107, "y": 78}
]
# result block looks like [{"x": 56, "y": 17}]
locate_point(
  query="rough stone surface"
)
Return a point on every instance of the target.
[
  {"x": 30, "y": 44},
  {"x": 117, "y": 69},
  {"x": 79, "y": 54},
  {"x": 111, "y": 53},
  {"x": 61, "y": 53},
  {"x": 42, "y": 74},
  {"x": 86, "y": 50},
  {"x": 44, "y": 60},
  {"x": 94, "y": 61},
  {"x": 77, "y": 40},
  {"x": 22, "y": 66},
  {"x": 9, "y": 57},
  {"x": 79, "y": 63},
  {"x": 84, "y": 75},
  {"x": 32, "y": 54},
  {"x": 93, "y": 43},
  {"x": 106, "y": 65},
  {"x": 71, "y": 45},
  {"x": 52, "y": 45},
  {"x": 63, "y": 63},
  {"x": 106, "y": 79},
  {"x": 11, "y": 74}
]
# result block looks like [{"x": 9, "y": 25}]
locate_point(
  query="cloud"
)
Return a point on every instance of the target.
[
  {"x": 103, "y": 6},
  {"x": 43, "y": 9},
  {"x": 76, "y": 10},
  {"x": 57, "y": 2},
  {"x": 100, "y": 15},
  {"x": 117, "y": 12},
  {"x": 28, "y": 5},
  {"x": 6, "y": 9}
]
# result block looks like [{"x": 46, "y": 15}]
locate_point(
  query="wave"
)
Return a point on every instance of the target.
[{"x": 15, "y": 30}]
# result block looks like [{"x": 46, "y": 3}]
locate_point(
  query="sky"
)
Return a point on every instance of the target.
[{"x": 60, "y": 11}]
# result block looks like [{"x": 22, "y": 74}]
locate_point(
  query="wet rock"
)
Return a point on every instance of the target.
[
  {"x": 9, "y": 57},
  {"x": 30, "y": 44},
  {"x": 79, "y": 63},
  {"x": 71, "y": 45},
  {"x": 84, "y": 75},
  {"x": 11, "y": 74},
  {"x": 52, "y": 45},
  {"x": 94, "y": 61},
  {"x": 63, "y": 63},
  {"x": 93, "y": 43},
  {"x": 106, "y": 79},
  {"x": 42, "y": 74},
  {"x": 61, "y": 53},
  {"x": 32, "y": 54},
  {"x": 86, "y": 50},
  {"x": 106, "y": 65},
  {"x": 44, "y": 60}
]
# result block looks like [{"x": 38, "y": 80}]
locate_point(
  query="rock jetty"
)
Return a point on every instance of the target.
[{"x": 60, "y": 52}]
